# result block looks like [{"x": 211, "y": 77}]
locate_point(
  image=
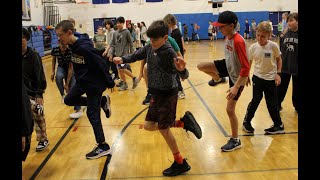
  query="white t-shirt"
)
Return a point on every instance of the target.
[
  {"x": 210, "y": 28},
  {"x": 264, "y": 57}
]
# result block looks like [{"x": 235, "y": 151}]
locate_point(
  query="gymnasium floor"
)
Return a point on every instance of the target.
[{"x": 140, "y": 154}]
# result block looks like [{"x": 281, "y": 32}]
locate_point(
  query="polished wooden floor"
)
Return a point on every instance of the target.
[{"x": 139, "y": 154}]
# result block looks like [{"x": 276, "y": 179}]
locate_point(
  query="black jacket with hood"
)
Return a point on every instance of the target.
[
  {"x": 90, "y": 69},
  {"x": 33, "y": 74}
]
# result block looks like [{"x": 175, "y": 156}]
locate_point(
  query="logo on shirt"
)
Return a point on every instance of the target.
[
  {"x": 77, "y": 59},
  {"x": 229, "y": 47},
  {"x": 119, "y": 37},
  {"x": 267, "y": 55},
  {"x": 290, "y": 47}
]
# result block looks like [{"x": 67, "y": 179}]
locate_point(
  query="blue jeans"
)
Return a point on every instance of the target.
[{"x": 61, "y": 75}]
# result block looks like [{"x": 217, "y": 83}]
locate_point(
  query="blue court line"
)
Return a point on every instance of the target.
[
  {"x": 209, "y": 110},
  {"x": 212, "y": 173},
  {"x": 105, "y": 168}
]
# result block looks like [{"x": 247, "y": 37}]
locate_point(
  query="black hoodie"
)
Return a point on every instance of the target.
[
  {"x": 90, "y": 69},
  {"x": 289, "y": 52},
  {"x": 33, "y": 75}
]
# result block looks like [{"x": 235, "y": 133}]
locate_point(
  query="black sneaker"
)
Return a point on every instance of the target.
[
  {"x": 232, "y": 145},
  {"x": 42, "y": 145},
  {"x": 147, "y": 100},
  {"x": 99, "y": 151},
  {"x": 190, "y": 124},
  {"x": 177, "y": 169},
  {"x": 246, "y": 126},
  {"x": 106, "y": 107},
  {"x": 214, "y": 83},
  {"x": 275, "y": 129}
]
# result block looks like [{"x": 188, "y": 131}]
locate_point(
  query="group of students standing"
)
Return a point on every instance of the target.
[
  {"x": 163, "y": 66},
  {"x": 273, "y": 69}
]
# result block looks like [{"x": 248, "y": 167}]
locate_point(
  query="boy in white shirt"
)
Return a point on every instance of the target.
[{"x": 266, "y": 77}]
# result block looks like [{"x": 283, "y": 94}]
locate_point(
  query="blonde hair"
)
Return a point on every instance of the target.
[
  {"x": 170, "y": 19},
  {"x": 264, "y": 26}
]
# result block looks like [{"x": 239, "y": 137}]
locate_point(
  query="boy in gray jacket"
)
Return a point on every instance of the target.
[
  {"x": 121, "y": 44},
  {"x": 163, "y": 67}
]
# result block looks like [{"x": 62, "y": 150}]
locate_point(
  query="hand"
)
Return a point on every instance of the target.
[
  {"x": 248, "y": 81},
  {"x": 23, "y": 142},
  {"x": 277, "y": 80},
  {"x": 117, "y": 60},
  {"x": 66, "y": 87},
  {"x": 184, "y": 50},
  {"x": 232, "y": 92},
  {"x": 180, "y": 63},
  {"x": 52, "y": 76},
  {"x": 104, "y": 53},
  {"x": 110, "y": 58},
  {"x": 39, "y": 100}
]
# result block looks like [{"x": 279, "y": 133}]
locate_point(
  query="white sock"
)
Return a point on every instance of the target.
[
  {"x": 237, "y": 139},
  {"x": 217, "y": 80}
]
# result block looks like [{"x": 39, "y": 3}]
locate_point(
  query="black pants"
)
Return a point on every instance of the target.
[
  {"x": 26, "y": 148},
  {"x": 93, "y": 103},
  {"x": 283, "y": 87},
  {"x": 270, "y": 93}
]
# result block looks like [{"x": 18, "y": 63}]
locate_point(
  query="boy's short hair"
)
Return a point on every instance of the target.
[
  {"x": 226, "y": 17},
  {"x": 66, "y": 25},
  {"x": 25, "y": 34},
  {"x": 108, "y": 21},
  {"x": 120, "y": 19},
  {"x": 72, "y": 21},
  {"x": 293, "y": 15},
  {"x": 157, "y": 29},
  {"x": 264, "y": 26},
  {"x": 170, "y": 19}
]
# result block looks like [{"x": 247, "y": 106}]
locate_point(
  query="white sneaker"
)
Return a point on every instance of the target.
[
  {"x": 76, "y": 115},
  {"x": 181, "y": 95}
]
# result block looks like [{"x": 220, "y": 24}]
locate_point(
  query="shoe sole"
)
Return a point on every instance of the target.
[
  {"x": 183, "y": 97},
  {"x": 229, "y": 150},
  {"x": 100, "y": 155},
  {"x": 38, "y": 150},
  {"x": 225, "y": 81},
  {"x": 277, "y": 132},
  {"x": 171, "y": 175},
  {"x": 251, "y": 132},
  {"x": 193, "y": 120}
]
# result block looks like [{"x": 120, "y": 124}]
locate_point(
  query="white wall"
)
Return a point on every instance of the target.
[
  {"x": 147, "y": 12},
  {"x": 36, "y": 14}
]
